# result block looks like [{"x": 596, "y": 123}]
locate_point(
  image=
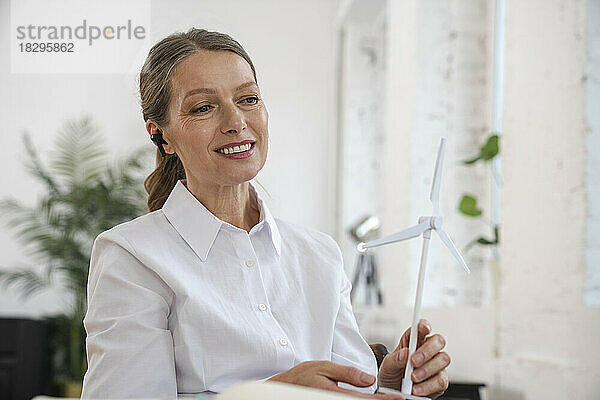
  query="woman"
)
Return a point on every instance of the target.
[{"x": 209, "y": 289}]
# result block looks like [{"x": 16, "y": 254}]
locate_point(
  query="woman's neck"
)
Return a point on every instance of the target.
[{"x": 233, "y": 204}]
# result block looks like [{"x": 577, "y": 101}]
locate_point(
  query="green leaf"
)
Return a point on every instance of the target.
[
  {"x": 485, "y": 242},
  {"x": 80, "y": 155},
  {"x": 487, "y": 152},
  {"x": 472, "y": 161},
  {"x": 490, "y": 149},
  {"x": 28, "y": 282},
  {"x": 35, "y": 167},
  {"x": 468, "y": 206}
]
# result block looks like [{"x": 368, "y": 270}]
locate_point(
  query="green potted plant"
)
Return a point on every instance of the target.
[
  {"x": 83, "y": 195},
  {"x": 468, "y": 204}
]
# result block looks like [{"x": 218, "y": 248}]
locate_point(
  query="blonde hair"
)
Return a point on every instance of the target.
[{"x": 155, "y": 95}]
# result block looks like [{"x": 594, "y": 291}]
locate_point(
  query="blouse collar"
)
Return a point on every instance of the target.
[{"x": 199, "y": 227}]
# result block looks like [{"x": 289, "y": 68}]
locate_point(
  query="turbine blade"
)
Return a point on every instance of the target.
[
  {"x": 434, "y": 196},
  {"x": 409, "y": 233},
  {"x": 450, "y": 245}
]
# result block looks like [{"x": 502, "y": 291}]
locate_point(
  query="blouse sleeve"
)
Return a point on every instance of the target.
[
  {"x": 349, "y": 347},
  {"x": 129, "y": 346}
]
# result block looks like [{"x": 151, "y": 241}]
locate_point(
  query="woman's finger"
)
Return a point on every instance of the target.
[
  {"x": 355, "y": 377},
  {"x": 424, "y": 330},
  {"x": 431, "y": 368},
  {"x": 433, "y": 345},
  {"x": 392, "y": 369},
  {"x": 347, "y": 374},
  {"x": 436, "y": 384}
]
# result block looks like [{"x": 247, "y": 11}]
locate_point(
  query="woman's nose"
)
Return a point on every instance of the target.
[{"x": 234, "y": 121}]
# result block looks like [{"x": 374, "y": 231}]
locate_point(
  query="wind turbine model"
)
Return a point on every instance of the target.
[{"x": 424, "y": 227}]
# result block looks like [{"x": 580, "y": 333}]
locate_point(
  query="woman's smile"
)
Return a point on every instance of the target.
[{"x": 237, "y": 151}]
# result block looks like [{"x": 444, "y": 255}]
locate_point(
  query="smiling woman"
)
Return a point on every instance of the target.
[
  {"x": 177, "y": 57},
  {"x": 209, "y": 289},
  {"x": 216, "y": 107}
]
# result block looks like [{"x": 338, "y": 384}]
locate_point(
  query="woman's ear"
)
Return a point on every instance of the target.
[{"x": 152, "y": 128}]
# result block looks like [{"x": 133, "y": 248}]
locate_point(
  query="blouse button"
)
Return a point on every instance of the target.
[
  {"x": 262, "y": 307},
  {"x": 249, "y": 263},
  {"x": 283, "y": 342}
]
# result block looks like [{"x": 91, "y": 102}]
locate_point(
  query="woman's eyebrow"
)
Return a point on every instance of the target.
[{"x": 213, "y": 91}]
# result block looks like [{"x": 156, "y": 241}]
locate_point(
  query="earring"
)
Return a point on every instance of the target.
[{"x": 158, "y": 139}]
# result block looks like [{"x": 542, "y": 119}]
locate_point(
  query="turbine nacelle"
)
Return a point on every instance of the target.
[{"x": 435, "y": 222}]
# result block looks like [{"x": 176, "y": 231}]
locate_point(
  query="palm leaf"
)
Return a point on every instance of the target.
[
  {"x": 79, "y": 157},
  {"x": 34, "y": 166},
  {"x": 28, "y": 282}
]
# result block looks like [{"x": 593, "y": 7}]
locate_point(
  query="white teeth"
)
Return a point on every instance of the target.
[{"x": 236, "y": 149}]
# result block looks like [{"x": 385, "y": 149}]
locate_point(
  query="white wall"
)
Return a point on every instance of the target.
[
  {"x": 592, "y": 178},
  {"x": 291, "y": 45},
  {"x": 362, "y": 133},
  {"x": 548, "y": 336}
]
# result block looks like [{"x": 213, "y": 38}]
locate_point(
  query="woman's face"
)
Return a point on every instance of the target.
[{"x": 218, "y": 123}]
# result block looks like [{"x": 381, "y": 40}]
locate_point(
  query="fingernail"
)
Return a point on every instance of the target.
[
  {"x": 418, "y": 358},
  {"x": 418, "y": 374},
  {"x": 401, "y": 356},
  {"x": 367, "y": 379}
]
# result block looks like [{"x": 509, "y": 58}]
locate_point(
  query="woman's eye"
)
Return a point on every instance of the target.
[
  {"x": 251, "y": 100},
  {"x": 201, "y": 109}
]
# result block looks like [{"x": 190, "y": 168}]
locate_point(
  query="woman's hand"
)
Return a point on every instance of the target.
[
  {"x": 326, "y": 374},
  {"x": 429, "y": 364}
]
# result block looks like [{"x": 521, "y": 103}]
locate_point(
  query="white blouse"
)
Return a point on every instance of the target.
[{"x": 181, "y": 302}]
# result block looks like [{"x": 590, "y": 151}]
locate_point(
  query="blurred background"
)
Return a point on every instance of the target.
[{"x": 367, "y": 88}]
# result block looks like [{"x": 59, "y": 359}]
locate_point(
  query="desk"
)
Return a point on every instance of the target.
[{"x": 258, "y": 391}]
